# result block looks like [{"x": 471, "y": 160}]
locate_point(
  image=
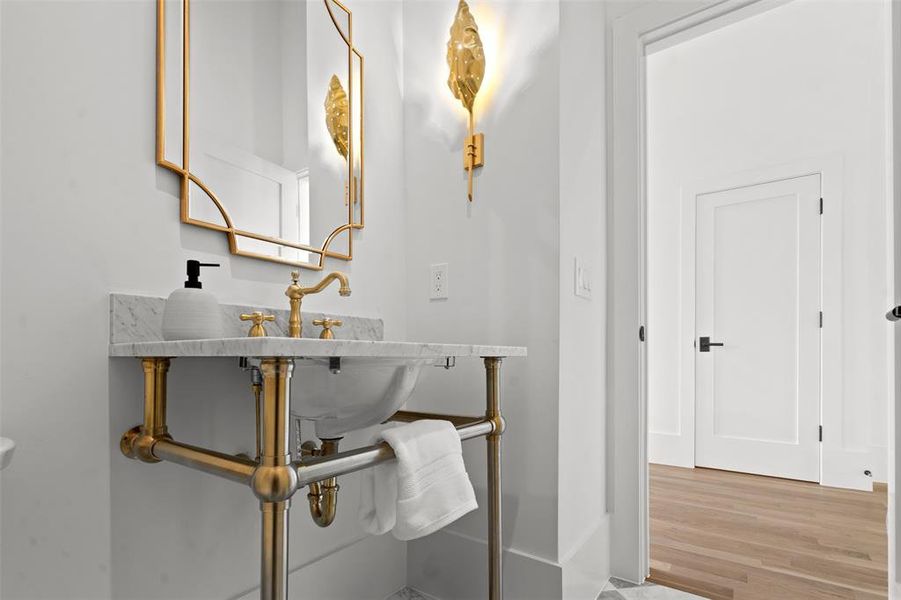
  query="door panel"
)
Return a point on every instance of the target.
[{"x": 758, "y": 293}]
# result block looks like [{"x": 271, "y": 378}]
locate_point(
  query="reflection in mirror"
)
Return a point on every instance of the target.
[
  {"x": 356, "y": 134},
  {"x": 329, "y": 118},
  {"x": 273, "y": 151},
  {"x": 173, "y": 65}
]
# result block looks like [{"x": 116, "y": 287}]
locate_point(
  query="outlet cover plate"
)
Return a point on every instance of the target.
[{"x": 438, "y": 284}]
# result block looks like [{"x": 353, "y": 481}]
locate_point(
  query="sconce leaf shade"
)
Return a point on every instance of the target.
[
  {"x": 337, "y": 115},
  {"x": 465, "y": 57}
]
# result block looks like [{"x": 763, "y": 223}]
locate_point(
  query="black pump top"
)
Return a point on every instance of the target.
[{"x": 194, "y": 273}]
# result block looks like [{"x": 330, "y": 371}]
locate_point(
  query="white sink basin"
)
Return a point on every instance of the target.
[
  {"x": 364, "y": 392},
  {"x": 376, "y": 377}
]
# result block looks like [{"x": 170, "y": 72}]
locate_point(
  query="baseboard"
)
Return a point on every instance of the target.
[
  {"x": 671, "y": 449},
  {"x": 846, "y": 468},
  {"x": 370, "y": 569},
  {"x": 453, "y": 566},
  {"x": 587, "y": 568}
]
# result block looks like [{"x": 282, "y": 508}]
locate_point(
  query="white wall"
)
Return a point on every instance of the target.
[
  {"x": 538, "y": 203},
  {"x": 86, "y": 211},
  {"x": 803, "y": 81},
  {"x": 502, "y": 250},
  {"x": 79, "y": 153},
  {"x": 583, "y": 537}
]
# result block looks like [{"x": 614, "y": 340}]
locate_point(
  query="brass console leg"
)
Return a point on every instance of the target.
[
  {"x": 493, "y": 413},
  {"x": 274, "y": 574},
  {"x": 274, "y": 481},
  {"x": 138, "y": 441}
]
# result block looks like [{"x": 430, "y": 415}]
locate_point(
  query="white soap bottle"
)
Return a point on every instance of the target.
[{"x": 191, "y": 313}]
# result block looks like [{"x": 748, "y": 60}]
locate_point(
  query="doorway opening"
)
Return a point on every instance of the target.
[{"x": 766, "y": 276}]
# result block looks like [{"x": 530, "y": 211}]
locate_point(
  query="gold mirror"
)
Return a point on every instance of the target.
[{"x": 260, "y": 113}]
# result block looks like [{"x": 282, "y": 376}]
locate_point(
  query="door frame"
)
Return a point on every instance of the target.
[{"x": 634, "y": 34}]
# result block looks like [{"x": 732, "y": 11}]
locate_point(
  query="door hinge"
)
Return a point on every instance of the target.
[
  {"x": 821, "y": 319},
  {"x": 821, "y": 206},
  {"x": 821, "y": 433}
]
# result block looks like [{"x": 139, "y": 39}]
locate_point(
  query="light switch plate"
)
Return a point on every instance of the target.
[
  {"x": 438, "y": 282},
  {"x": 582, "y": 277}
]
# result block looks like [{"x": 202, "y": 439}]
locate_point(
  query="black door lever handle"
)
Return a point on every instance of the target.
[
  {"x": 894, "y": 314},
  {"x": 704, "y": 344}
]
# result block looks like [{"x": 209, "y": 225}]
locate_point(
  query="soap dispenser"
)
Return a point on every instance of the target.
[{"x": 192, "y": 313}]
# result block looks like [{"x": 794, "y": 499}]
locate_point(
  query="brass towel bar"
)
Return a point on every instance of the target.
[
  {"x": 274, "y": 477},
  {"x": 317, "y": 469}
]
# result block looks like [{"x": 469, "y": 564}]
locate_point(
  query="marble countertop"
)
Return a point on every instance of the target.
[{"x": 308, "y": 348}]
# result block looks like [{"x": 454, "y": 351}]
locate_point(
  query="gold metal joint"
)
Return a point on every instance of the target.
[
  {"x": 137, "y": 445},
  {"x": 129, "y": 443},
  {"x": 274, "y": 483},
  {"x": 500, "y": 425}
]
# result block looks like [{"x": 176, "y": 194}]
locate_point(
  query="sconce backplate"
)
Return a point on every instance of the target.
[{"x": 475, "y": 146}]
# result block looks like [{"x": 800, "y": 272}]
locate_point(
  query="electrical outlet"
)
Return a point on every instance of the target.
[
  {"x": 438, "y": 282},
  {"x": 582, "y": 277}
]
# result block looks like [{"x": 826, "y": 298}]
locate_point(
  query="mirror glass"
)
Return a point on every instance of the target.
[{"x": 261, "y": 109}]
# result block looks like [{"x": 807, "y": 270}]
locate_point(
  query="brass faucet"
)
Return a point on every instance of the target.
[{"x": 296, "y": 293}]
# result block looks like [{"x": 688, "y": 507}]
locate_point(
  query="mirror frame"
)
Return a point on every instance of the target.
[{"x": 355, "y": 155}]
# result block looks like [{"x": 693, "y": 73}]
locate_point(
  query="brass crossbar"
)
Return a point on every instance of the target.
[
  {"x": 316, "y": 469},
  {"x": 407, "y": 416}
]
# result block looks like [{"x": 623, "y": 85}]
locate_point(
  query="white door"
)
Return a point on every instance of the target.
[{"x": 758, "y": 294}]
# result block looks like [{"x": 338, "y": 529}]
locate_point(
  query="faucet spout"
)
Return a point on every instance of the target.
[
  {"x": 344, "y": 289},
  {"x": 296, "y": 292}
]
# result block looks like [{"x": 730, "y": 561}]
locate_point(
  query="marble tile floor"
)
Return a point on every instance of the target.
[
  {"x": 407, "y": 594},
  {"x": 618, "y": 589}
]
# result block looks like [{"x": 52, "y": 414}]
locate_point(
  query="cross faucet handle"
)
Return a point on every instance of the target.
[
  {"x": 327, "y": 325},
  {"x": 258, "y": 318}
]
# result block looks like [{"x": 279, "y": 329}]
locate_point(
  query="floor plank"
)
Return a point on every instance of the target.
[{"x": 734, "y": 536}]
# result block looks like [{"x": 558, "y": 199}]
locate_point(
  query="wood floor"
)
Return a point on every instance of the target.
[{"x": 728, "y": 535}]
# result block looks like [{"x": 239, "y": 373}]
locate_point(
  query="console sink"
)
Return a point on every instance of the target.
[
  {"x": 375, "y": 378},
  {"x": 341, "y": 395}
]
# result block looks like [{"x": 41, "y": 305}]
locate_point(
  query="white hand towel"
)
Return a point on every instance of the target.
[{"x": 426, "y": 488}]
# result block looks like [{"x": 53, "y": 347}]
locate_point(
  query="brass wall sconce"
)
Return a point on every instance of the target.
[{"x": 466, "y": 59}]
